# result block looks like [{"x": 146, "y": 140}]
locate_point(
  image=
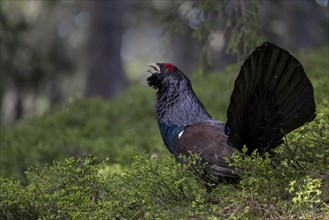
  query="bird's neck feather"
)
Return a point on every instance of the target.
[
  {"x": 180, "y": 106},
  {"x": 177, "y": 108}
]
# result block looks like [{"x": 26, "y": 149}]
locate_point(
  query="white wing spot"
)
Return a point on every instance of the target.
[{"x": 180, "y": 134}]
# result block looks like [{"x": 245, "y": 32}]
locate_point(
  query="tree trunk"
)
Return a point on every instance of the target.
[{"x": 106, "y": 77}]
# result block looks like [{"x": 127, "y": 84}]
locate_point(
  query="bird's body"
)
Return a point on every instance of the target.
[{"x": 272, "y": 96}]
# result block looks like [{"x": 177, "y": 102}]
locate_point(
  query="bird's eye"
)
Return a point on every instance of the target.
[{"x": 169, "y": 67}]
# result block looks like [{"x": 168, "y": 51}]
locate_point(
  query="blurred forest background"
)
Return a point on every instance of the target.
[
  {"x": 55, "y": 51},
  {"x": 73, "y": 84}
]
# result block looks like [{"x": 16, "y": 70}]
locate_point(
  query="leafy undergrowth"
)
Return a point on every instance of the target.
[{"x": 293, "y": 183}]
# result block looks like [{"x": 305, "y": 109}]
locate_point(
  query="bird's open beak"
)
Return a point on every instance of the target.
[{"x": 153, "y": 68}]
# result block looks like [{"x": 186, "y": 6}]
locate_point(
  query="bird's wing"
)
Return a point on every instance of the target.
[{"x": 209, "y": 141}]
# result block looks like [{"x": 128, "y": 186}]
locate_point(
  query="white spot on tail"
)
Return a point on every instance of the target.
[{"x": 180, "y": 134}]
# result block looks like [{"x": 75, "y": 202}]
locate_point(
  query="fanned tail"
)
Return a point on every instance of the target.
[{"x": 272, "y": 96}]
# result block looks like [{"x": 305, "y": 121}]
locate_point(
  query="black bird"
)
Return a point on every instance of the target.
[{"x": 272, "y": 96}]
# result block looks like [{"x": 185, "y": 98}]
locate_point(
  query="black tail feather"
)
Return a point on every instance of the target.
[{"x": 272, "y": 96}]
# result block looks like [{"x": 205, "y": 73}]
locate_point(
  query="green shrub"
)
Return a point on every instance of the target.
[
  {"x": 72, "y": 188},
  {"x": 84, "y": 189},
  {"x": 307, "y": 194},
  {"x": 158, "y": 188}
]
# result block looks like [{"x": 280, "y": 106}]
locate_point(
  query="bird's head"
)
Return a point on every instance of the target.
[
  {"x": 166, "y": 75},
  {"x": 176, "y": 101}
]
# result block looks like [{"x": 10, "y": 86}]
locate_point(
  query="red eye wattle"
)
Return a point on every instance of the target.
[{"x": 169, "y": 67}]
